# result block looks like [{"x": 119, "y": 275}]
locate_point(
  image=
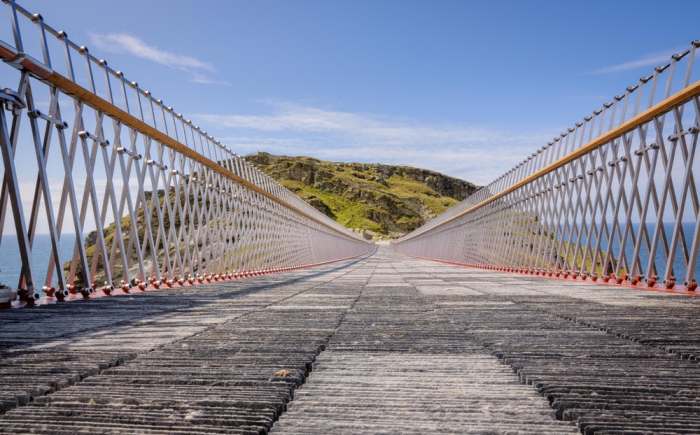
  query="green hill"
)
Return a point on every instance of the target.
[{"x": 380, "y": 200}]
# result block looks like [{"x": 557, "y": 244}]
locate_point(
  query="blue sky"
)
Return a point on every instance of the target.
[{"x": 463, "y": 87}]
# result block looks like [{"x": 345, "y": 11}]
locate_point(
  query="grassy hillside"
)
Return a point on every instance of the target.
[{"x": 381, "y": 200}]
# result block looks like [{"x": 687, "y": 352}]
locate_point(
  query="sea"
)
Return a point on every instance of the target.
[{"x": 11, "y": 266}]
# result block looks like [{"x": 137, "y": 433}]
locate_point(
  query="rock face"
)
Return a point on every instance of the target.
[{"x": 379, "y": 200}]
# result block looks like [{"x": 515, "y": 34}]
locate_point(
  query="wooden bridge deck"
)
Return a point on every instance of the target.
[{"x": 380, "y": 345}]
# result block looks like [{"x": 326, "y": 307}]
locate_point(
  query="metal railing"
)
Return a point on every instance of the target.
[
  {"x": 130, "y": 192},
  {"x": 613, "y": 198}
]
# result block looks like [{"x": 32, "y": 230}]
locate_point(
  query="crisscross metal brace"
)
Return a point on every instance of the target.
[
  {"x": 144, "y": 197},
  {"x": 613, "y": 198}
]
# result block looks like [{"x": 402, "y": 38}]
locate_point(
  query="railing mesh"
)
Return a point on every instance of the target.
[
  {"x": 106, "y": 187},
  {"x": 614, "y": 197}
]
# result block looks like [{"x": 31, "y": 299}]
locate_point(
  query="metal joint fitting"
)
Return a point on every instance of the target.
[
  {"x": 679, "y": 56},
  {"x": 12, "y": 100}
]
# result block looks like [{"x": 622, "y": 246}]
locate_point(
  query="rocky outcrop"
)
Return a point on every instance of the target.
[{"x": 381, "y": 200}]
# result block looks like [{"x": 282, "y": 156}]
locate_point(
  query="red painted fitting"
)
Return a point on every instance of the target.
[
  {"x": 651, "y": 282},
  {"x": 142, "y": 286},
  {"x": 670, "y": 283},
  {"x": 620, "y": 279},
  {"x": 61, "y": 294},
  {"x": 48, "y": 291},
  {"x": 107, "y": 290},
  {"x": 72, "y": 289},
  {"x": 692, "y": 285},
  {"x": 584, "y": 276},
  {"x": 635, "y": 279}
]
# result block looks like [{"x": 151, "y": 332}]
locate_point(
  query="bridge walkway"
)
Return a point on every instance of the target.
[{"x": 385, "y": 344}]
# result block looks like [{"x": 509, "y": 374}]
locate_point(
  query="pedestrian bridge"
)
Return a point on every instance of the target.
[
  {"x": 163, "y": 284},
  {"x": 379, "y": 344}
]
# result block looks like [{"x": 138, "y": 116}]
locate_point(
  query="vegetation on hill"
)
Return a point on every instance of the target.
[{"x": 380, "y": 200}]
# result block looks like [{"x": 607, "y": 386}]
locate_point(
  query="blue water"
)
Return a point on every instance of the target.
[
  {"x": 679, "y": 266},
  {"x": 10, "y": 264}
]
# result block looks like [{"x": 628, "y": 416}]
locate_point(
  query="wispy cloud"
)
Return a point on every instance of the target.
[
  {"x": 649, "y": 60},
  {"x": 124, "y": 43},
  {"x": 208, "y": 80},
  {"x": 475, "y": 153}
]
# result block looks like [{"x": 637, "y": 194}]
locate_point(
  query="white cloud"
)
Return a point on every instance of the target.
[
  {"x": 649, "y": 60},
  {"x": 128, "y": 44},
  {"x": 476, "y": 154},
  {"x": 207, "y": 80}
]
